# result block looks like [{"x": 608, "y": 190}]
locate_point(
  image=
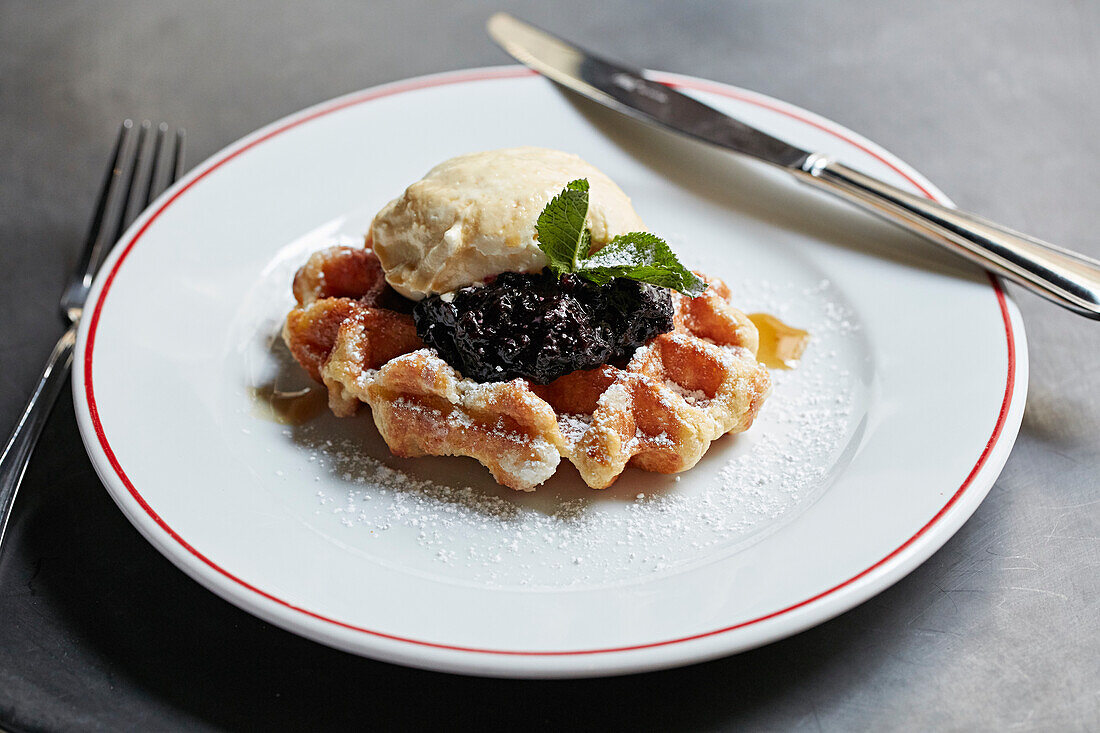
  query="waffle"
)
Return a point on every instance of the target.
[
  {"x": 344, "y": 288},
  {"x": 659, "y": 413}
]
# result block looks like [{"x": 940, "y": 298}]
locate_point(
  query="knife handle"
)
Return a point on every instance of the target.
[{"x": 1069, "y": 279}]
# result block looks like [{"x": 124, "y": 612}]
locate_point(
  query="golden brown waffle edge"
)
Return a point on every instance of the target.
[{"x": 678, "y": 393}]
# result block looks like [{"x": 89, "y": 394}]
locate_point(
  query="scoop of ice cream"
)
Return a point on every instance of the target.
[{"x": 474, "y": 216}]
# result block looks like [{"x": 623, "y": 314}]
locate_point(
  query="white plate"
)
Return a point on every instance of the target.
[{"x": 864, "y": 461}]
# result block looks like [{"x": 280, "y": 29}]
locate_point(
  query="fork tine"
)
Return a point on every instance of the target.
[
  {"x": 106, "y": 205},
  {"x": 177, "y": 162},
  {"x": 80, "y": 279},
  {"x": 172, "y": 158},
  {"x": 113, "y": 171},
  {"x": 152, "y": 190},
  {"x": 128, "y": 207}
]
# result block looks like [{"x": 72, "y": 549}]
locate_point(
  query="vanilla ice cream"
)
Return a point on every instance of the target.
[{"x": 474, "y": 216}]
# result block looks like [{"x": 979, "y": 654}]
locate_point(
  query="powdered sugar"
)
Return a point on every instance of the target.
[
  {"x": 692, "y": 396},
  {"x": 573, "y": 426}
]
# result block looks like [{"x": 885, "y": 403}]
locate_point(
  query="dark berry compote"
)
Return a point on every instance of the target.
[{"x": 540, "y": 327}]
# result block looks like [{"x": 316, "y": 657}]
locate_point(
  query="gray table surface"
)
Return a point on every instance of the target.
[{"x": 997, "y": 102}]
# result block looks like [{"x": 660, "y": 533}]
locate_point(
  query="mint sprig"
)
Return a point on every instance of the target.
[
  {"x": 562, "y": 233},
  {"x": 641, "y": 256}
]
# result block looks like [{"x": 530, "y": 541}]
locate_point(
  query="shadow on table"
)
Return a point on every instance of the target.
[{"x": 102, "y": 630}]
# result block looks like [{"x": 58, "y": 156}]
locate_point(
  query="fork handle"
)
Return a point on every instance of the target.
[
  {"x": 17, "y": 453},
  {"x": 1069, "y": 279}
]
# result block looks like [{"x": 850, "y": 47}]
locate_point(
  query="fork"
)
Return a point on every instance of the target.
[{"x": 134, "y": 158}]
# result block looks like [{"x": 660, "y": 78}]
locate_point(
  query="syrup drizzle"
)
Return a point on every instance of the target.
[
  {"x": 780, "y": 345},
  {"x": 287, "y": 408}
]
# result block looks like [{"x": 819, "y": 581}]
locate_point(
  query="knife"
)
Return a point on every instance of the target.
[{"x": 1067, "y": 278}]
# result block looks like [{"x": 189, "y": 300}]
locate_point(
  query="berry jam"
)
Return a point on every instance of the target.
[{"x": 540, "y": 327}]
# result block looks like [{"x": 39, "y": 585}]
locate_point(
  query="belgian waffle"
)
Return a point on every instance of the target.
[{"x": 660, "y": 412}]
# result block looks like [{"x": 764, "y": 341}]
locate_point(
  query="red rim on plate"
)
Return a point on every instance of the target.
[{"x": 504, "y": 73}]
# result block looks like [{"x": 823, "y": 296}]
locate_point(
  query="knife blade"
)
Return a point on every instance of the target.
[
  {"x": 1067, "y": 278},
  {"x": 630, "y": 91}
]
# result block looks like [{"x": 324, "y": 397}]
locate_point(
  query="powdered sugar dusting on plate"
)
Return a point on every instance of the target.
[{"x": 445, "y": 516}]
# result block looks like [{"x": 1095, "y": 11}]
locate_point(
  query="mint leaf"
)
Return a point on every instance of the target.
[
  {"x": 563, "y": 236},
  {"x": 641, "y": 256},
  {"x": 645, "y": 257}
]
